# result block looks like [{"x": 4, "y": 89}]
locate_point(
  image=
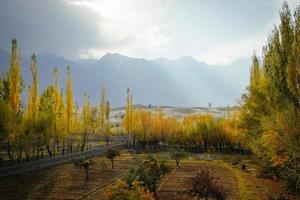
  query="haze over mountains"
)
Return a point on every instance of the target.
[{"x": 180, "y": 82}]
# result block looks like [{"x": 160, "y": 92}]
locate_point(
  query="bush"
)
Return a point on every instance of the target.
[
  {"x": 111, "y": 154},
  {"x": 164, "y": 167},
  {"x": 177, "y": 154},
  {"x": 291, "y": 177},
  {"x": 121, "y": 191},
  {"x": 147, "y": 173},
  {"x": 205, "y": 185}
]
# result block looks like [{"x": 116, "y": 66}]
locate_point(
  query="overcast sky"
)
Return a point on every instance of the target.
[{"x": 213, "y": 31}]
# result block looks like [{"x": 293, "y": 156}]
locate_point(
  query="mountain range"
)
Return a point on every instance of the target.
[{"x": 180, "y": 82}]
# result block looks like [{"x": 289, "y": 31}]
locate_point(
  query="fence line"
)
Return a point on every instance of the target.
[{"x": 49, "y": 162}]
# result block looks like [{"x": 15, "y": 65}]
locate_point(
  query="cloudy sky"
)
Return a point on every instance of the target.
[{"x": 213, "y": 31}]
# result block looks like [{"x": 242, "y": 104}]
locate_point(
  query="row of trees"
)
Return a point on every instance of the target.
[
  {"x": 270, "y": 113},
  {"x": 53, "y": 122},
  {"x": 50, "y": 121},
  {"x": 199, "y": 132}
]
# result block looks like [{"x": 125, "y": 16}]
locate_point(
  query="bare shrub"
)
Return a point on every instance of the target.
[{"x": 206, "y": 185}]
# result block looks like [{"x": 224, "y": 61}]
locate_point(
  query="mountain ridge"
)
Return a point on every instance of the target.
[{"x": 178, "y": 82}]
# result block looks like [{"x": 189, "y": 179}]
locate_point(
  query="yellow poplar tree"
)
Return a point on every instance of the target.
[
  {"x": 86, "y": 121},
  {"x": 14, "y": 88},
  {"x": 69, "y": 106},
  {"x": 128, "y": 119},
  {"x": 14, "y": 78},
  {"x": 32, "y": 110},
  {"x": 33, "y": 96},
  {"x": 107, "y": 123},
  {"x": 57, "y": 106},
  {"x": 102, "y": 110}
]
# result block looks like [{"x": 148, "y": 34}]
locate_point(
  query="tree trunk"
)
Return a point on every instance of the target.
[
  {"x": 134, "y": 142},
  {"x": 112, "y": 164},
  {"x": 154, "y": 190},
  {"x": 20, "y": 156},
  {"x": 42, "y": 153},
  {"x": 205, "y": 146},
  {"x": 49, "y": 151},
  {"x": 57, "y": 145},
  {"x": 63, "y": 148},
  {"x": 9, "y": 153},
  {"x": 27, "y": 157},
  {"x": 86, "y": 173}
]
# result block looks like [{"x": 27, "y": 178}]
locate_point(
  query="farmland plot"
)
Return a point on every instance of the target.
[
  {"x": 65, "y": 181},
  {"x": 177, "y": 185}
]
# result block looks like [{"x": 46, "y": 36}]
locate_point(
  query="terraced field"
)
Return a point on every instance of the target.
[
  {"x": 68, "y": 182},
  {"x": 65, "y": 181},
  {"x": 177, "y": 184},
  {"x": 238, "y": 184}
]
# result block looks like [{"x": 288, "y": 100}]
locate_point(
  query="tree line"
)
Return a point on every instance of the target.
[
  {"x": 270, "y": 112},
  {"x": 196, "y": 132},
  {"x": 50, "y": 122}
]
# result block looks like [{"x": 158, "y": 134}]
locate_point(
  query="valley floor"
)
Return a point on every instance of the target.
[{"x": 68, "y": 182}]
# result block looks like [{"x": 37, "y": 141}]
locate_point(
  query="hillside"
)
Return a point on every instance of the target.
[{"x": 181, "y": 82}]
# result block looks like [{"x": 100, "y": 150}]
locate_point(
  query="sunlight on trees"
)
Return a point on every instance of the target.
[{"x": 270, "y": 109}]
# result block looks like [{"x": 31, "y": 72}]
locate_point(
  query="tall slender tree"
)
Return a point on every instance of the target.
[
  {"x": 33, "y": 96},
  {"x": 86, "y": 121},
  {"x": 57, "y": 102},
  {"x": 69, "y": 107},
  {"x": 32, "y": 111},
  {"x": 127, "y": 122},
  {"x": 14, "y": 92},
  {"x": 102, "y": 109},
  {"x": 14, "y": 78},
  {"x": 107, "y": 123}
]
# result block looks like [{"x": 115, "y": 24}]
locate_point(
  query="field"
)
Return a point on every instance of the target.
[
  {"x": 237, "y": 183},
  {"x": 68, "y": 182},
  {"x": 65, "y": 181}
]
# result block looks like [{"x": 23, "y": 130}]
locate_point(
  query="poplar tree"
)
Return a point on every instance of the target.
[
  {"x": 57, "y": 106},
  {"x": 102, "y": 109},
  {"x": 127, "y": 122},
  {"x": 86, "y": 121},
  {"x": 107, "y": 123},
  {"x": 69, "y": 107},
  {"x": 15, "y": 79},
  {"x": 293, "y": 66},
  {"x": 33, "y": 96},
  {"x": 32, "y": 110},
  {"x": 14, "y": 94},
  {"x": 270, "y": 111}
]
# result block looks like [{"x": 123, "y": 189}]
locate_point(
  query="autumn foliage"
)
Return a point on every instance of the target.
[{"x": 270, "y": 112}]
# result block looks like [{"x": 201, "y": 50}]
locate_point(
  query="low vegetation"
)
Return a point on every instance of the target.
[
  {"x": 205, "y": 185},
  {"x": 85, "y": 164},
  {"x": 111, "y": 154}
]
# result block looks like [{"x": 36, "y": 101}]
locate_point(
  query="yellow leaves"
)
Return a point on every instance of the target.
[
  {"x": 14, "y": 79},
  {"x": 33, "y": 96},
  {"x": 275, "y": 146},
  {"x": 120, "y": 190},
  {"x": 69, "y": 101},
  {"x": 279, "y": 160},
  {"x": 127, "y": 122}
]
